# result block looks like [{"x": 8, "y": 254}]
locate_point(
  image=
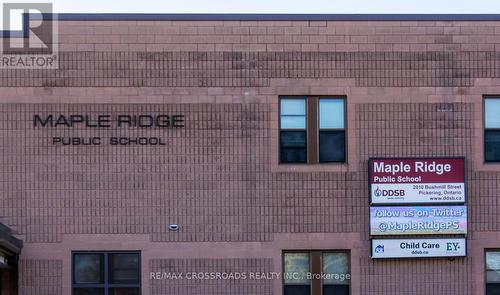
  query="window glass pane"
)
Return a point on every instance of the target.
[
  {"x": 492, "y": 146},
  {"x": 88, "y": 291},
  {"x": 492, "y": 276},
  {"x": 293, "y": 106},
  {"x": 124, "y": 268},
  {"x": 293, "y": 147},
  {"x": 493, "y": 260},
  {"x": 336, "y": 268},
  {"x": 492, "y": 113},
  {"x": 493, "y": 267},
  {"x": 492, "y": 289},
  {"x": 293, "y": 155},
  {"x": 297, "y": 290},
  {"x": 331, "y": 113},
  {"x": 296, "y": 268},
  {"x": 88, "y": 268},
  {"x": 124, "y": 291},
  {"x": 293, "y": 122},
  {"x": 336, "y": 290},
  {"x": 331, "y": 146},
  {"x": 293, "y": 138}
]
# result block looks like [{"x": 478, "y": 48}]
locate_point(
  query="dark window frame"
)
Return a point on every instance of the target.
[
  {"x": 312, "y": 130},
  {"x": 485, "y": 129},
  {"x": 486, "y": 269},
  {"x": 316, "y": 285},
  {"x": 106, "y": 285}
]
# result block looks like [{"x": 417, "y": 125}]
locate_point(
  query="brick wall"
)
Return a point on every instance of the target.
[
  {"x": 277, "y": 36},
  {"x": 413, "y": 89},
  {"x": 258, "y": 69},
  {"x": 409, "y": 277},
  {"x": 40, "y": 276}
]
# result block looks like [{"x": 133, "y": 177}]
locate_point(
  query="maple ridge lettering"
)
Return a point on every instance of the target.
[
  {"x": 106, "y": 121},
  {"x": 419, "y": 167},
  {"x": 109, "y": 122}
]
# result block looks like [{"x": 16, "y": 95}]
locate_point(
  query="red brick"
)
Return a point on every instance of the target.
[{"x": 220, "y": 179}]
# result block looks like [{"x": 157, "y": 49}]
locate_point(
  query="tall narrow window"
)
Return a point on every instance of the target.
[
  {"x": 336, "y": 273},
  {"x": 293, "y": 141},
  {"x": 492, "y": 272},
  {"x": 106, "y": 273},
  {"x": 297, "y": 267},
  {"x": 331, "y": 130},
  {"x": 492, "y": 129}
]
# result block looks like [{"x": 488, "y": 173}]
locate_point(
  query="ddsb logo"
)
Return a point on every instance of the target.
[{"x": 388, "y": 192}]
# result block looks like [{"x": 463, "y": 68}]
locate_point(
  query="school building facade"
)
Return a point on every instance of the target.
[{"x": 214, "y": 154}]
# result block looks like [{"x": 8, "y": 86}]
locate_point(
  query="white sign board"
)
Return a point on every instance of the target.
[{"x": 419, "y": 248}]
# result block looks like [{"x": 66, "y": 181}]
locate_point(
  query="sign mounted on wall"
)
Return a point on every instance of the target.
[
  {"x": 420, "y": 220},
  {"x": 417, "y": 180},
  {"x": 419, "y": 248},
  {"x": 117, "y": 123}
]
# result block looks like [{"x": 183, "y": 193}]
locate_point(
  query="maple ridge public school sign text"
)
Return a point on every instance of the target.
[
  {"x": 107, "y": 121},
  {"x": 406, "y": 181}
]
